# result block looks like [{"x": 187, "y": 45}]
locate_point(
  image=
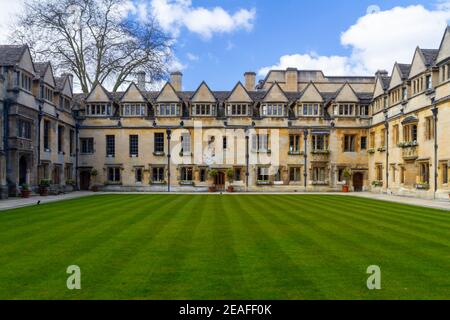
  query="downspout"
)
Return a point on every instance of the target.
[
  {"x": 247, "y": 156},
  {"x": 77, "y": 151},
  {"x": 435, "y": 113},
  {"x": 169, "y": 132},
  {"x": 386, "y": 125},
  {"x": 40, "y": 116},
  {"x": 305, "y": 171}
]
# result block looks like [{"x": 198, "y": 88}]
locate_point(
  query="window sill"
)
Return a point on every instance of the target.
[
  {"x": 300, "y": 153},
  {"x": 263, "y": 183},
  {"x": 186, "y": 183},
  {"x": 112, "y": 183},
  {"x": 159, "y": 154},
  {"x": 158, "y": 183},
  {"x": 319, "y": 183}
]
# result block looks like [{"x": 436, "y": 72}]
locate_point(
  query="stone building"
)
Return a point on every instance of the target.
[
  {"x": 296, "y": 130},
  {"x": 36, "y": 123}
]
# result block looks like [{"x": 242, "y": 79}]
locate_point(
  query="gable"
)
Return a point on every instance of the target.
[
  {"x": 396, "y": 78},
  {"x": 67, "y": 89},
  {"x": 378, "y": 88},
  {"x": 133, "y": 94},
  {"x": 98, "y": 94},
  {"x": 48, "y": 77},
  {"x": 275, "y": 94},
  {"x": 167, "y": 94},
  {"x": 239, "y": 94},
  {"x": 203, "y": 94},
  {"x": 418, "y": 65},
  {"x": 444, "y": 49},
  {"x": 26, "y": 62},
  {"x": 346, "y": 94},
  {"x": 311, "y": 94}
]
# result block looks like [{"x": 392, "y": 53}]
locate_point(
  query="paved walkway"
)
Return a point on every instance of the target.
[{"x": 19, "y": 202}]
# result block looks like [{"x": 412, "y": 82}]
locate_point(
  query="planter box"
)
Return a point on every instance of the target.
[
  {"x": 345, "y": 188},
  {"x": 25, "y": 194},
  {"x": 43, "y": 191}
]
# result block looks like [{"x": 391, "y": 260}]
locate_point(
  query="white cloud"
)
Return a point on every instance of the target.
[
  {"x": 173, "y": 15},
  {"x": 377, "y": 40},
  {"x": 192, "y": 57},
  {"x": 330, "y": 65},
  {"x": 9, "y": 10}
]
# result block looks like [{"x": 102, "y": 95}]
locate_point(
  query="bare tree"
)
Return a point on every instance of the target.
[{"x": 96, "y": 40}]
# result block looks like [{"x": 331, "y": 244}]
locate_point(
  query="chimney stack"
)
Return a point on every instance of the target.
[
  {"x": 291, "y": 78},
  {"x": 141, "y": 80},
  {"x": 250, "y": 81},
  {"x": 176, "y": 80},
  {"x": 381, "y": 73}
]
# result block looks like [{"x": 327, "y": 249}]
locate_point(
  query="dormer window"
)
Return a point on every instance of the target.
[
  {"x": 345, "y": 109},
  {"x": 203, "y": 109},
  {"x": 98, "y": 109},
  {"x": 23, "y": 81},
  {"x": 134, "y": 110},
  {"x": 272, "y": 109},
  {"x": 309, "y": 110},
  {"x": 429, "y": 81},
  {"x": 46, "y": 93},
  {"x": 168, "y": 109},
  {"x": 238, "y": 109}
]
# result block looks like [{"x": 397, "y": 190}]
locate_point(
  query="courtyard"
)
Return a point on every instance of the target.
[{"x": 135, "y": 246}]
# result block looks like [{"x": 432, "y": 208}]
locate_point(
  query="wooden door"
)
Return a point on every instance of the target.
[
  {"x": 358, "y": 181},
  {"x": 85, "y": 180}
]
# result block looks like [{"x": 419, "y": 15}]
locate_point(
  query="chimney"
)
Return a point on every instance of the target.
[
  {"x": 141, "y": 80},
  {"x": 250, "y": 78},
  {"x": 291, "y": 79},
  {"x": 176, "y": 80},
  {"x": 381, "y": 73}
]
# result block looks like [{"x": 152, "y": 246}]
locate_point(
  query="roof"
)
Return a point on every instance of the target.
[
  {"x": 59, "y": 83},
  {"x": 404, "y": 69},
  {"x": 430, "y": 56},
  {"x": 385, "y": 81},
  {"x": 10, "y": 55},
  {"x": 41, "y": 68}
]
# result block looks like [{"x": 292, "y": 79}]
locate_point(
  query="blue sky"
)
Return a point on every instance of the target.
[
  {"x": 279, "y": 28},
  {"x": 217, "y": 41}
]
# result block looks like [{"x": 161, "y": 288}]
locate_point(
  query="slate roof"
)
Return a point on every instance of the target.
[
  {"x": 41, "y": 68},
  {"x": 59, "y": 83},
  {"x": 404, "y": 70},
  {"x": 385, "y": 81},
  {"x": 430, "y": 56},
  {"x": 10, "y": 55}
]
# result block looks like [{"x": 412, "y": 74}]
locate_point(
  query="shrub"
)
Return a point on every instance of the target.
[
  {"x": 230, "y": 175},
  {"x": 45, "y": 183}
]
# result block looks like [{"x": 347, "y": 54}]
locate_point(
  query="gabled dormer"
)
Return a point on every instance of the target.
[
  {"x": 46, "y": 85},
  {"x": 239, "y": 103},
  {"x": 168, "y": 103},
  {"x": 203, "y": 102},
  {"x": 421, "y": 70},
  {"x": 443, "y": 57},
  {"x": 346, "y": 102},
  {"x": 98, "y": 102},
  {"x": 398, "y": 90},
  {"x": 274, "y": 102},
  {"x": 379, "y": 93},
  {"x": 133, "y": 103},
  {"x": 64, "y": 92},
  {"x": 310, "y": 103},
  {"x": 20, "y": 62}
]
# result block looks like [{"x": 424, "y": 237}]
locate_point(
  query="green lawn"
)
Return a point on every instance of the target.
[{"x": 224, "y": 247}]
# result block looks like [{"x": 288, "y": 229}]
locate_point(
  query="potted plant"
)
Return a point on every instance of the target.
[
  {"x": 346, "y": 174},
  {"x": 25, "y": 192},
  {"x": 213, "y": 174},
  {"x": 44, "y": 187},
  {"x": 230, "y": 178},
  {"x": 94, "y": 174}
]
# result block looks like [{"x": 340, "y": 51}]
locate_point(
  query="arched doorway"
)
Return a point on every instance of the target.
[
  {"x": 358, "y": 181},
  {"x": 23, "y": 169},
  {"x": 220, "y": 181}
]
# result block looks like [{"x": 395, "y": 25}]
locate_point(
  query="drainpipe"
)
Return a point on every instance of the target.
[
  {"x": 169, "y": 132},
  {"x": 247, "y": 156},
  {"x": 305, "y": 171},
  {"x": 40, "y": 116},
  {"x": 6, "y": 139},
  {"x": 77, "y": 151},
  {"x": 435, "y": 113},
  {"x": 386, "y": 125}
]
